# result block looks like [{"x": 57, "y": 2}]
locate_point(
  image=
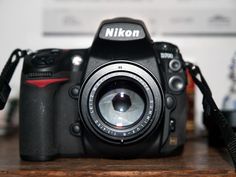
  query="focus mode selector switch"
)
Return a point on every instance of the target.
[
  {"x": 172, "y": 125},
  {"x": 175, "y": 65},
  {"x": 176, "y": 83}
]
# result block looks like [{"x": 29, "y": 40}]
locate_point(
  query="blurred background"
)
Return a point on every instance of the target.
[{"x": 204, "y": 30}]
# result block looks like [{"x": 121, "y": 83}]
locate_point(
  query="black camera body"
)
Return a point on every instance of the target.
[{"x": 124, "y": 97}]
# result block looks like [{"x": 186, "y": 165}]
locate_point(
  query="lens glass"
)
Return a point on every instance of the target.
[{"x": 121, "y": 103}]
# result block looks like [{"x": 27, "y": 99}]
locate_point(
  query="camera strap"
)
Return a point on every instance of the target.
[
  {"x": 7, "y": 73},
  {"x": 211, "y": 110}
]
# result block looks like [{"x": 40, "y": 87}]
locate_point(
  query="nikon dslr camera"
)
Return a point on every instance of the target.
[{"x": 124, "y": 97}]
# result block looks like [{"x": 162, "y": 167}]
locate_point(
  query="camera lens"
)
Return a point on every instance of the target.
[
  {"x": 120, "y": 106},
  {"x": 120, "y": 103}
]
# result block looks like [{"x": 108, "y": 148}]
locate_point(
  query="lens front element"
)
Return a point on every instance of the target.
[{"x": 121, "y": 103}]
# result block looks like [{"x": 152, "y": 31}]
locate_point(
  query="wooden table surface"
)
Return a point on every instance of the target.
[{"x": 197, "y": 160}]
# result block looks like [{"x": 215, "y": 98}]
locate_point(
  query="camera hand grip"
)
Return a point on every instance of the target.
[{"x": 37, "y": 140}]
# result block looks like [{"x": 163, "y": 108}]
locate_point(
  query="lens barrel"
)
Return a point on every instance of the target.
[{"x": 118, "y": 105}]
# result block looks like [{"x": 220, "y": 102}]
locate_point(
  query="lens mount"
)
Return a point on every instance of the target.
[{"x": 120, "y": 106}]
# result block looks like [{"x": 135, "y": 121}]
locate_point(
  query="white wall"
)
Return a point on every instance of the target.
[{"x": 21, "y": 26}]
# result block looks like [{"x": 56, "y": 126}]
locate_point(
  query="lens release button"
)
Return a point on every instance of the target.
[{"x": 170, "y": 102}]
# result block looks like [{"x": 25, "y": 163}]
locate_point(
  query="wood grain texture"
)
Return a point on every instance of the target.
[{"x": 197, "y": 160}]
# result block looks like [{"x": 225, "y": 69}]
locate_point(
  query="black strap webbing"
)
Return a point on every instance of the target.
[
  {"x": 7, "y": 73},
  {"x": 211, "y": 110}
]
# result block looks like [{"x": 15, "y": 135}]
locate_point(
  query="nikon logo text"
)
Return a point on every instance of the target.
[{"x": 121, "y": 33}]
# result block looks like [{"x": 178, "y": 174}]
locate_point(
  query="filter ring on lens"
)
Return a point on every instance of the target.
[{"x": 124, "y": 71}]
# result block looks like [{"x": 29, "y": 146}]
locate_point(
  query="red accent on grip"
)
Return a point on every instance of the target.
[{"x": 45, "y": 82}]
